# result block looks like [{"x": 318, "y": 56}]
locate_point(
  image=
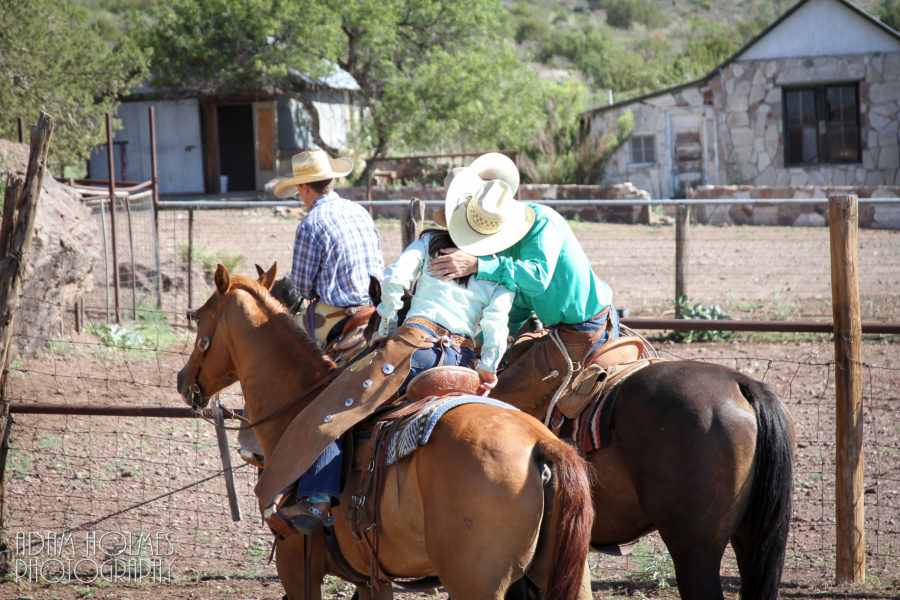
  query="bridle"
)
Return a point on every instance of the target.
[{"x": 203, "y": 344}]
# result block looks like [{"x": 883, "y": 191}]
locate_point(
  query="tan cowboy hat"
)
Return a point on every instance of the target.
[
  {"x": 309, "y": 166},
  {"x": 489, "y": 220},
  {"x": 480, "y": 211},
  {"x": 486, "y": 167}
]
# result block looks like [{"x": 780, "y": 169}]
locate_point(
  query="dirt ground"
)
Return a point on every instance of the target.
[{"x": 102, "y": 478}]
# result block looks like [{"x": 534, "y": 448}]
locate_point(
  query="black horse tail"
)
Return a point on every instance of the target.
[{"x": 768, "y": 515}]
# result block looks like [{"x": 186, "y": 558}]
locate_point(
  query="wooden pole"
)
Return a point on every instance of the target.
[
  {"x": 111, "y": 163},
  {"x": 12, "y": 264},
  {"x": 16, "y": 231},
  {"x": 682, "y": 252},
  {"x": 414, "y": 222},
  {"x": 843, "y": 216},
  {"x": 225, "y": 455},
  {"x": 190, "y": 260},
  {"x": 127, "y": 201},
  {"x": 154, "y": 178}
]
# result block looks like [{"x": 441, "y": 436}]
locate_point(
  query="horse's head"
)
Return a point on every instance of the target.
[
  {"x": 211, "y": 367},
  {"x": 283, "y": 291}
]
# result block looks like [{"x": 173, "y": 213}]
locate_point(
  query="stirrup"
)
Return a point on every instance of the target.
[{"x": 300, "y": 518}]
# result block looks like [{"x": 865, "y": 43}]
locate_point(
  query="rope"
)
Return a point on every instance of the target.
[{"x": 554, "y": 335}]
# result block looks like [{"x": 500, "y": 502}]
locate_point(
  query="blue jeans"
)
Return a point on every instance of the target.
[
  {"x": 436, "y": 356},
  {"x": 597, "y": 325},
  {"x": 324, "y": 476}
]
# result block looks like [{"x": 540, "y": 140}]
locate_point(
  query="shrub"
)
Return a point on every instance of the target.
[{"x": 685, "y": 309}]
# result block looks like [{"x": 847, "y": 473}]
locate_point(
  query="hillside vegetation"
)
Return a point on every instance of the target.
[
  {"x": 442, "y": 76},
  {"x": 629, "y": 47}
]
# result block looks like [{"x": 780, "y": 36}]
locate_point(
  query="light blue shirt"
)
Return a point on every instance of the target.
[{"x": 461, "y": 309}]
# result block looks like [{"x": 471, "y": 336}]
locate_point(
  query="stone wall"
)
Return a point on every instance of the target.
[
  {"x": 739, "y": 109},
  {"x": 878, "y": 216},
  {"x": 750, "y": 127}
]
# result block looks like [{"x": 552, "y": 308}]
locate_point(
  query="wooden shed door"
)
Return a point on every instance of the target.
[{"x": 686, "y": 147}]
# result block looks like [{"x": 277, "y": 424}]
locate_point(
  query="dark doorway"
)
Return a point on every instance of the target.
[{"x": 236, "y": 146}]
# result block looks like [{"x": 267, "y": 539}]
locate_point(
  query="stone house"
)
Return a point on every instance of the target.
[
  {"x": 211, "y": 143},
  {"x": 813, "y": 100}
]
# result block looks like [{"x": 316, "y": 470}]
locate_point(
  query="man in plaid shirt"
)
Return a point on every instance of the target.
[{"x": 336, "y": 250}]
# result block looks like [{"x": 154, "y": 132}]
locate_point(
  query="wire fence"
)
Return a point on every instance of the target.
[{"x": 136, "y": 499}]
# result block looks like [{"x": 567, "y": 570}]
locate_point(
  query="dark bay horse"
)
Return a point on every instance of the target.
[
  {"x": 700, "y": 452},
  {"x": 492, "y": 497}
]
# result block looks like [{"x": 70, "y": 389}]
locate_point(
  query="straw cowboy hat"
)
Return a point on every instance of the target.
[
  {"x": 480, "y": 211},
  {"x": 312, "y": 165}
]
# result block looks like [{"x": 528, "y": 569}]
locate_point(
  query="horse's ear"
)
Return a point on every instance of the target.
[
  {"x": 259, "y": 270},
  {"x": 267, "y": 279},
  {"x": 222, "y": 279}
]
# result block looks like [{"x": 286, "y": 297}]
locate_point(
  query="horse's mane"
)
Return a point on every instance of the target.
[{"x": 280, "y": 312}]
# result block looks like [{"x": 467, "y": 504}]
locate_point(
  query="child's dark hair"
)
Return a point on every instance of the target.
[{"x": 440, "y": 239}]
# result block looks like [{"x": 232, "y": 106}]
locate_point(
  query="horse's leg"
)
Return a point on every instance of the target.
[
  {"x": 384, "y": 592},
  {"x": 484, "y": 501},
  {"x": 290, "y": 564},
  {"x": 585, "y": 592}
]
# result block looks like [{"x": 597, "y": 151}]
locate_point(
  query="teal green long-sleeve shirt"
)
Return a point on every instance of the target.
[{"x": 549, "y": 272}]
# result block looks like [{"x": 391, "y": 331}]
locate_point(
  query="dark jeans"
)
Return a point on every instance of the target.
[{"x": 324, "y": 476}]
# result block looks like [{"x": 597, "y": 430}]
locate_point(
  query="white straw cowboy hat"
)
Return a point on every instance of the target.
[
  {"x": 309, "y": 166},
  {"x": 480, "y": 211}
]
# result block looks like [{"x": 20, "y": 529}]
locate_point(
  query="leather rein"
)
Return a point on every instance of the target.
[{"x": 203, "y": 344}]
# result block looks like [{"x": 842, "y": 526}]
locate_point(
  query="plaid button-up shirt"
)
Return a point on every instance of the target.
[{"x": 336, "y": 249}]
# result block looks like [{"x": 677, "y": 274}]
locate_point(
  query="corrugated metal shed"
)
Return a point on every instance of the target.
[{"x": 179, "y": 146}]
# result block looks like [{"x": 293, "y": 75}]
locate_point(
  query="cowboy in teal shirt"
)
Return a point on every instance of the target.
[
  {"x": 527, "y": 247},
  {"x": 549, "y": 272}
]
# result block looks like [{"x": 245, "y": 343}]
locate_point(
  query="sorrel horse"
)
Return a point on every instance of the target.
[
  {"x": 700, "y": 452},
  {"x": 492, "y": 497}
]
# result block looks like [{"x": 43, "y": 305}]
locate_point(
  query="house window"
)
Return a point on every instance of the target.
[
  {"x": 821, "y": 124},
  {"x": 643, "y": 149}
]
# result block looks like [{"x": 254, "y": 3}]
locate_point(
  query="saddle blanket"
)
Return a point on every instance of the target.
[
  {"x": 418, "y": 430},
  {"x": 591, "y": 429}
]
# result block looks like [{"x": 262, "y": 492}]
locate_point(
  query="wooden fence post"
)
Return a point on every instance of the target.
[
  {"x": 154, "y": 179},
  {"x": 682, "y": 252},
  {"x": 414, "y": 222},
  {"x": 843, "y": 216},
  {"x": 110, "y": 161},
  {"x": 16, "y": 231}
]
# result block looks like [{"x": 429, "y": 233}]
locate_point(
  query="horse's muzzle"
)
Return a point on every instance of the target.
[{"x": 191, "y": 393}]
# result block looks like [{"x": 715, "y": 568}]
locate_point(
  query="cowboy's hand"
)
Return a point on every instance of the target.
[
  {"x": 488, "y": 382},
  {"x": 452, "y": 264}
]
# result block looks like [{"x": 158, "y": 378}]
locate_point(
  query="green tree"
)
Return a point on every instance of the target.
[
  {"x": 562, "y": 151},
  {"x": 889, "y": 13},
  {"x": 53, "y": 59},
  {"x": 434, "y": 74},
  {"x": 710, "y": 46}
]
